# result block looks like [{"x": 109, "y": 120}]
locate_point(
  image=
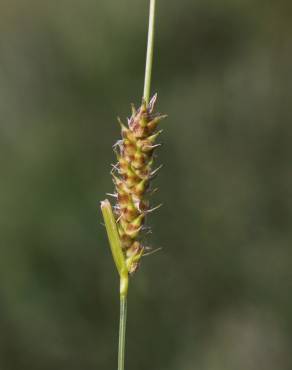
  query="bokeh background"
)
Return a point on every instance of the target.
[{"x": 218, "y": 295}]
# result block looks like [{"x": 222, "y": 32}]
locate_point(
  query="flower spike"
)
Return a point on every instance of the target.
[{"x": 132, "y": 176}]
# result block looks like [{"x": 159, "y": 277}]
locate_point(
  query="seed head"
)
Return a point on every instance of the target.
[{"x": 132, "y": 176}]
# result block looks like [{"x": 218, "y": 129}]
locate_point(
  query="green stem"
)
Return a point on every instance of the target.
[
  {"x": 122, "y": 332},
  {"x": 149, "y": 56}
]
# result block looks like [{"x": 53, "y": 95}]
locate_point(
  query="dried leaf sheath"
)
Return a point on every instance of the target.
[{"x": 132, "y": 176}]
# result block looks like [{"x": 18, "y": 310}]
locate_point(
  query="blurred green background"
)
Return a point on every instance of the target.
[{"x": 218, "y": 295}]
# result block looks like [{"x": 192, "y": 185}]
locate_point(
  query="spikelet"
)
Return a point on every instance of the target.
[{"x": 132, "y": 176}]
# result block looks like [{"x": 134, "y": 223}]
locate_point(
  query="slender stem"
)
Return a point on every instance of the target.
[
  {"x": 149, "y": 56},
  {"x": 122, "y": 332}
]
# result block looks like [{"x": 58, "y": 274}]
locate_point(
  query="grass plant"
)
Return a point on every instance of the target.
[{"x": 133, "y": 173}]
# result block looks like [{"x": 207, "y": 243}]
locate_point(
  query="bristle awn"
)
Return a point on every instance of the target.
[
  {"x": 154, "y": 208},
  {"x": 132, "y": 176},
  {"x": 152, "y": 252}
]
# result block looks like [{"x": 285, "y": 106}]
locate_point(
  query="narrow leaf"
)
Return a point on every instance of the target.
[{"x": 113, "y": 236}]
